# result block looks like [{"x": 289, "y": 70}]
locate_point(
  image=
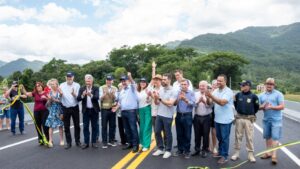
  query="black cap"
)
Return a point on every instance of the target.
[
  {"x": 143, "y": 80},
  {"x": 70, "y": 74},
  {"x": 245, "y": 82},
  {"x": 123, "y": 77},
  {"x": 109, "y": 77}
]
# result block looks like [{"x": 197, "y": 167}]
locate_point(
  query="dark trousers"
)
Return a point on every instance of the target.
[
  {"x": 184, "y": 123},
  {"x": 163, "y": 124},
  {"x": 129, "y": 118},
  {"x": 201, "y": 129},
  {"x": 90, "y": 116},
  {"x": 121, "y": 131},
  {"x": 71, "y": 112},
  {"x": 14, "y": 112},
  {"x": 40, "y": 119},
  {"x": 108, "y": 118},
  {"x": 223, "y": 135}
]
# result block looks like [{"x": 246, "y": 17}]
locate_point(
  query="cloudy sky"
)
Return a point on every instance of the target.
[{"x": 83, "y": 30}]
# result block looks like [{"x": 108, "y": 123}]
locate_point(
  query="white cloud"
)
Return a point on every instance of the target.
[
  {"x": 93, "y": 2},
  {"x": 142, "y": 21},
  {"x": 50, "y": 13},
  {"x": 11, "y": 13},
  {"x": 65, "y": 42}
]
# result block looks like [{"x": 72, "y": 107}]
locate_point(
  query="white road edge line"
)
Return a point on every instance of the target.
[
  {"x": 27, "y": 140},
  {"x": 284, "y": 149}
]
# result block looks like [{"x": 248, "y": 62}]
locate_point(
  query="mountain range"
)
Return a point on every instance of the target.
[
  {"x": 8, "y": 68},
  {"x": 273, "y": 51}
]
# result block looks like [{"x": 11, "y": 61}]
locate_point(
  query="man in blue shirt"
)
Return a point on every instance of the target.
[
  {"x": 271, "y": 102},
  {"x": 128, "y": 102},
  {"x": 223, "y": 99},
  {"x": 184, "y": 119}
]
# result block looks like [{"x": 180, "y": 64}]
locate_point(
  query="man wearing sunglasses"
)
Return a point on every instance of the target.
[
  {"x": 246, "y": 105},
  {"x": 272, "y": 103}
]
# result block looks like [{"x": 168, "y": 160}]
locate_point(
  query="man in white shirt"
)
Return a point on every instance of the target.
[
  {"x": 179, "y": 76},
  {"x": 70, "y": 108}
]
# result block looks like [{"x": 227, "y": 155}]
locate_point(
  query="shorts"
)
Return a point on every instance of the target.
[
  {"x": 272, "y": 129},
  {"x": 6, "y": 114}
]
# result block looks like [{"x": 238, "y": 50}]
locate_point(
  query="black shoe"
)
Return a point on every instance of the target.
[
  {"x": 203, "y": 154},
  {"x": 196, "y": 153},
  {"x": 178, "y": 153},
  {"x": 68, "y": 146},
  {"x": 135, "y": 149},
  {"x": 85, "y": 146},
  {"x": 78, "y": 144},
  {"x": 129, "y": 146},
  {"x": 94, "y": 145}
]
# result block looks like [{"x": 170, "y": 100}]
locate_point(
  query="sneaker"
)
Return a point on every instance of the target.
[
  {"x": 167, "y": 154},
  {"x": 235, "y": 156},
  {"x": 112, "y": 143},
  {"x": 204, "y": 154},
  {"x": 178, "y": 153},
  {"x": 50, "y": 144},
  {"x": 145, "y": 149},
  {"x": 187, "y": 155},
  {"x": 251, "y": 157},
  {"x": 104, "y": 145},
  {"x": 62, "y": 143},
  {"x": 158, "y": 153},
  {"x": 222, "y": 160}
]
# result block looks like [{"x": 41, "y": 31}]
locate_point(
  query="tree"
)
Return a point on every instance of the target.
[{"x": 227, "y": 63}]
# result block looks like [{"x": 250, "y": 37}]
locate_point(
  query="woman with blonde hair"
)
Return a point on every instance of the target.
[{"x": 55, "y": 112}]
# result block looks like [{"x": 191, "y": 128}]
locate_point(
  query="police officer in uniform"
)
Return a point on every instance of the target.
[{"x": 246, "y": 104}]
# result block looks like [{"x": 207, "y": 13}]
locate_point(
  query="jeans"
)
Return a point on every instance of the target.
[
  {"x": 13, "y": 113},
  {"x": 108, "y": 118},
  {"x": 184, "y": 123},
  {"x": 129, "y": 118},
  {"x": 90, "y": 116},
  {"x": 223, "y": 135},
  {"x": 163, "y": 124}
]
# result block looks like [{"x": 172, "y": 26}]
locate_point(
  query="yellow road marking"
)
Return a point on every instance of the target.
[
  {"x": 124, "y": 160},
  {"x": 140, "y": 157}
]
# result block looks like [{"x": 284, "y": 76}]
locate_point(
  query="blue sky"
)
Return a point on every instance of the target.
[{"x": 83, "y": 30}]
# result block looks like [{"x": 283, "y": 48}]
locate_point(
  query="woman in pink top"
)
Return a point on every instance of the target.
[{"x": 40, "y": 110}]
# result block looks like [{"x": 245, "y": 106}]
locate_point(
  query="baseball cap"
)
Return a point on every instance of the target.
[
  {"x": 245, "y": 82},
  {"x": 70, "y": 74},
  {"x": 109, "y": 77},
  {"x": 123, "y": 77}
]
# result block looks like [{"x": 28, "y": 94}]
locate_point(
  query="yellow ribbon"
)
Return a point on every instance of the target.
[{"x": 30, "y": 113}]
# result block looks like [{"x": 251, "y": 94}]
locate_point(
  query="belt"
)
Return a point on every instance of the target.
[
  {"x": 131, "y": 110},
  {"x": 202, "y": 116},
  {"x": 184, "y": 113}
]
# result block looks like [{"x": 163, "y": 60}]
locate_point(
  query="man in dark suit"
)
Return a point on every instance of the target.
[{"x": 89, "y": 95}]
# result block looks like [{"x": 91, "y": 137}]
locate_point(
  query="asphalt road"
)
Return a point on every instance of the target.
[{"x": 23, "y": 152}]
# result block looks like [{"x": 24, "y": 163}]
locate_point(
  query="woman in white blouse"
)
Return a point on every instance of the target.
[{"x": 144, "y": 97}]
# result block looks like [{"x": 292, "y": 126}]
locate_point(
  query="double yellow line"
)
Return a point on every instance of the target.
[{"x": 140, "y": 157}]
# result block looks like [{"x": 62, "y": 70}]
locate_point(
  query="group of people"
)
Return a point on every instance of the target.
[{"x": 145, "y": 106}]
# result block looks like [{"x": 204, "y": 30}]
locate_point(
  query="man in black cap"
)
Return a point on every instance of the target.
[
  {"x": 17, "y": 108},
  {"x": 108, "y": 95},
  {"x": 246, "y": 104},
  {"x": 70, "y": 108},
  {"x": 128, "y": 102}
]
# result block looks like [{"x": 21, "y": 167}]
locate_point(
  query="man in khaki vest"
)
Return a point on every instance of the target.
[{"x": 108, "y": 95}]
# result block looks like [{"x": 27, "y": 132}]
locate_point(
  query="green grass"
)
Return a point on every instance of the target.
[{"x": 292, "y": 97}]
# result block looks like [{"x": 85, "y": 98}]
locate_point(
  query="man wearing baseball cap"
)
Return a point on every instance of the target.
[
  {"x": 246, "y": 104},
  {"x": 108, "y": 95},
  {"x": 70, "y": 108}
]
